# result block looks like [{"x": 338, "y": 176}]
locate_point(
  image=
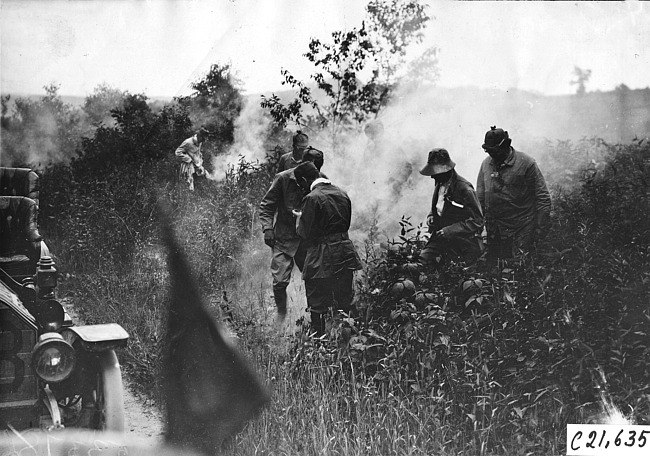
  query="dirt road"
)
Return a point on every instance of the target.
[{"x": 142, "y": 419}]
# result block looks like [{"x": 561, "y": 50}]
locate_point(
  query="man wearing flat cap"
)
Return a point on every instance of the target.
[
  {"x": 300, "y": 144},
  {"x": 514, "y": 198},
  {"x": 455, "y": 221},
  {"x": 331, "y": 258},
  {"x": 279, "y": 228}
]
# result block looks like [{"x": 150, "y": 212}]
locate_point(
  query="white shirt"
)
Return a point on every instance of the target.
[{"x": 442, "y": 191}]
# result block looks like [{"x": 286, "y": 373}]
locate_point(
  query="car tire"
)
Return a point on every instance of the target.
[{"x": 110, "y": 393}]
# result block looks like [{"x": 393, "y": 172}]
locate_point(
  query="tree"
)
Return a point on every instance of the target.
[
  {"x": 216, "y": 102},
  {"x": 582, "y": 77},
  {"x": 98, "y": 105},
  {"x": 357, "y": 73},
  {"x": 394, "y": 26},
  {"x": 41, "y": 131}
]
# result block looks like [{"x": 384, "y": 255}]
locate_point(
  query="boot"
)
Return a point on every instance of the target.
[
  {"x": 318, "y": 324},
  {"x": 280, "y": 296}
]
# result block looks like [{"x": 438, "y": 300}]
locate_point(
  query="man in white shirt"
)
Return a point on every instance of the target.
[{"x": 190, "y": 157}]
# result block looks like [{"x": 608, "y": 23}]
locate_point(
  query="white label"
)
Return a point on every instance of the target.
[{"x": 607, "y": 439}]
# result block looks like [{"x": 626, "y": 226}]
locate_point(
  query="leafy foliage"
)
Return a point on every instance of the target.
[
  {"x": 110, "y": 190},
  {"x": 566, "y": 164},
  {"x": 374, "y": 53},
  {"x": 464, "y": 357},
  {"x": 521, "y": 349},
  {"x": 98, "y": 105},
  {"x": 216, "y": 103},
  {"x": 99, "y": 214},
  {"x": 39, "y": 132}
]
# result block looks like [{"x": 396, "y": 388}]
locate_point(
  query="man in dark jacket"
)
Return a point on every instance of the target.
[
  {"x": 331, "y": 258},
  {"x": 455, "y": 221},
  {"x": 279, "y": 227},
  {"x": 514, "y": 197},
  {"x": 300, "y": 144}
]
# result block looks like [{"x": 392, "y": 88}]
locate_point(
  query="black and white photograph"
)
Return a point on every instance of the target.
[{"x": 343, "y": 227}]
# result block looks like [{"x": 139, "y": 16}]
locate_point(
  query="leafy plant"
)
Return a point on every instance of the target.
[
  {"x": 356, "y": 73},
  {"x": 519, "y": 349}
]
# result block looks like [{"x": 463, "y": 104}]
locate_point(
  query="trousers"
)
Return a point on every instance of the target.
[
  {"x": 282, "y": 265},
  {"x": 325, "y": 293}
]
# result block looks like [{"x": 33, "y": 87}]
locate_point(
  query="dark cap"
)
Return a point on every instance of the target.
[
  {"x": 307, "y": 170},
  {"x": 300, "y": 139},
  {"x": 438, "y": 163},
  {"x": 315, "y": 156},
  {"x": 203, "y": 132},
  {"x": 496, "y": 138}
]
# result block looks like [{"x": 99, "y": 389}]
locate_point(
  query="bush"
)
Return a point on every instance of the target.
[
  {"x": 99, "y": 215},
  {"x": 523, "y": 349}
]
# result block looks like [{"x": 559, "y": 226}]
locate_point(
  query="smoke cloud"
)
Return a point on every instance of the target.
[
  {"x": 250, "y": 131},
  {"x": 40, "y": 144},
  {"x": 381, "y": 173},
  {"x": 382, "y": 176}
]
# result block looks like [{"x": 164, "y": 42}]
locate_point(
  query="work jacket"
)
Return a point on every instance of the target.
[
  {"x": 286, "y": 162},
  {"x": 461, "y": 218},
  {"x": 283, "y": 196},
  {"x": 514, "y": 197},
  {"x": 323, "y": 226}
]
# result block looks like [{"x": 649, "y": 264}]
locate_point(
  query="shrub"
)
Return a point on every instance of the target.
[{"x": 522, "y": 349}]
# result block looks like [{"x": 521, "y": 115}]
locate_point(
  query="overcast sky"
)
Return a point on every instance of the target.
[{"x": 159, "y": 47}]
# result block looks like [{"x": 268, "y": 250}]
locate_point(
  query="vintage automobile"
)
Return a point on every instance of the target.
[{"x": 53, "y": 373}]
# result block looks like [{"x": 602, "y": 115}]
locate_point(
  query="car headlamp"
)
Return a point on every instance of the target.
[{"x": 53, "y": 359}]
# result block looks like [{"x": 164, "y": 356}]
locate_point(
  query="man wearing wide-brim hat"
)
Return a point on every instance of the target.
[{"x": 455, "y": 220}]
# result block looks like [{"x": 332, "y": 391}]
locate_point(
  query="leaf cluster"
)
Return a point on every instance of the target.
[
  {"x": 355, "y": 73},
  {"x": 39, "y": 132},
  {"x": 216, "y": 102}
]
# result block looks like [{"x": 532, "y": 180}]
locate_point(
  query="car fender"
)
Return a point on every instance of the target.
[{"x": 97, "y": 338}]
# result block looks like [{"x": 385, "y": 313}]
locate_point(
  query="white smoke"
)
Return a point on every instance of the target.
[
  {"x": 383, "y": 179},
  {"x": 249, "y": 134},
  {"x": 610, "y": 414},
  {"x": 382, "y": 176}
]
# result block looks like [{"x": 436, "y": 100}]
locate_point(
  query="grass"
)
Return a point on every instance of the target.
[
  {"x": 522, "y": 355},
  {"x": 320, "y": 404},
  {"x": 134, "y": 298},
  {"x": 317, "y": 410}
]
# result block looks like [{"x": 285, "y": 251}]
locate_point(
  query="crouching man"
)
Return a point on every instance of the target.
[
  {"x": 331, "y": 258},
  {"x": 456, "y": 220},
  {"x": 190, "y": 158}
]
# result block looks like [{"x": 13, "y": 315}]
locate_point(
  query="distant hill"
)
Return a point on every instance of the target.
[
  {"x": 73, "y": 100},
  {"x": 619, "y": 115}
]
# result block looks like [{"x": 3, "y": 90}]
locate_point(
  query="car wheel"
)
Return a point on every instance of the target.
[{"x": 109, "y": 393}]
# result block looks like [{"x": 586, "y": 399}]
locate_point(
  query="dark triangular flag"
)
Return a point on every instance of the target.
[{"x": 211, "y": 390}]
